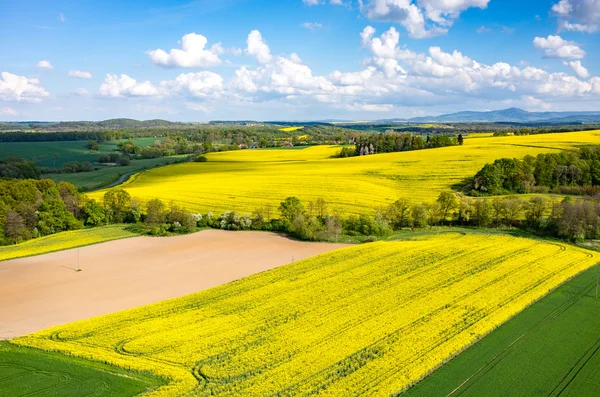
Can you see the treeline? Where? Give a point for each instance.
(169, 146)
(218, 134)
(572, 172)
(536, 131)
(18, 168)
(317, 221)
(19, 136)
(35, 208)
(14, 167)
(474, 127)
(71, 167)
(395, 142)
(573, 220)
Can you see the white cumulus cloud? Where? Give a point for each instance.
(79, 74)
(44, 65)
(422, 18)
(578, 15)
(257, 47)
(115, 86)
(557, 47)
(191, 55)
(579, 69)
(21, 89)
(202, 84)
(391, 78)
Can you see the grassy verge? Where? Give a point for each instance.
(551, 348)
(66, 240)
(25, 372)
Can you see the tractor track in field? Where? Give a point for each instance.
(594, 348)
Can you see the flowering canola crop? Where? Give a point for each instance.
(65, 240)
(368, 320)
(246, 180)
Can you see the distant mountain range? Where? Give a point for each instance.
(512, 115)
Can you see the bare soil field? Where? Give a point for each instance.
(43, 291)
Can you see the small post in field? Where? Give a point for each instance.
(293, 269)
(78, 259)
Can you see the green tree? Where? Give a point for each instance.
(333, 226)
(498, 211)
(291, 208)
(93, 213)
(92, 145)
(321, 205)
(188, 222)
(117, 203)
(483, 213)
(535, 210)
(466, 210)
(155, 212)
(513, 207)
(418, 216)
(398, 213)
(135, 212)
(434, 213)
(306, 227)
(71, 197)
(53, 217)
(14, 227)
(448, 203)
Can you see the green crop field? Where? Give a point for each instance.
(550, 349)
(54, 154)
(29, 372)
(106, 175)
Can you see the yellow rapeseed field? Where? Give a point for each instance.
(65, 240)
(368, 320)
(246, 180)
(290, 129)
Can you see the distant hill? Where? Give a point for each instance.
(512, 115)
(117, 124)
(112, 124)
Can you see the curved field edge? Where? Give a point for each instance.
(66, 240)
(26, 371)
(551, 348)
(366, 320)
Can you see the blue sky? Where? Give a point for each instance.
(294, 59)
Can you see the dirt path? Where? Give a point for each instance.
(122, 179)
(43, 291)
